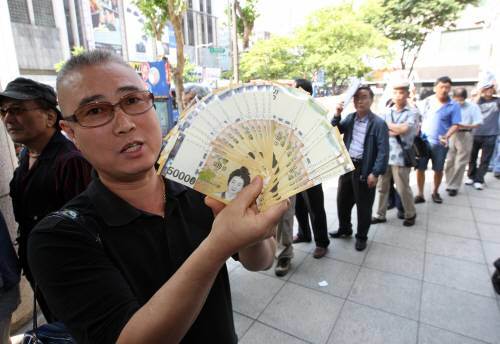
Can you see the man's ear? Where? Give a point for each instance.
(51, 118)
(66, 126)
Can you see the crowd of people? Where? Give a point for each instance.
(116, 253)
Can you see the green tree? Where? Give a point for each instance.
(410, 21)
(155, 13)
(338, 41)
(190, 72)
(77, 50)
(275, 58)
(246, 14)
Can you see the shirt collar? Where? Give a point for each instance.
(52, 147)
(117, 212)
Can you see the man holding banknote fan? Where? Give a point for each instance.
(137, 258)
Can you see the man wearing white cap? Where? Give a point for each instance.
(401, 120)
(485, 136)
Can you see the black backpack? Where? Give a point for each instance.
(496, 276)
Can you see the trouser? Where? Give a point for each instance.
(394, 199)
(284, 233)
(495, 159)
(487, 145)
(459, 149)
(311, 203)
(352, 190)
(401, 176)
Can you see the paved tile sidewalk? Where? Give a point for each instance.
(426, 284)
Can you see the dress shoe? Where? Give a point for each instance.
(319, 252)
(282, 267)
(419, 199)
(376, 220)
(339, 234)
(297, 240)
(360, 245)
(436, 198)
(401, 215)
(410, 221)
(452, 192)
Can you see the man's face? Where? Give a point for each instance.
(400, 96)
(187, 98)
(362, 101)
(459, 100)
(488, 93)
(442, 90)
(127, 146)
(26, 121)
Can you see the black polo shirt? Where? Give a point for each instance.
(95, 286)
(59, 174)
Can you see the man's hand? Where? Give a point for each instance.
(372, 181)
(240, 224)
(443, 140)
(339, 109)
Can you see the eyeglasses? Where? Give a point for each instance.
(15, 111)
(97, 114)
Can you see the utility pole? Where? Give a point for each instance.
(234, 38)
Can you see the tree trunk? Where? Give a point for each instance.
(176, 19)
(416, 56)
(236, 74)
(247, 31)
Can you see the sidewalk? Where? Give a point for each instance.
(425, 284)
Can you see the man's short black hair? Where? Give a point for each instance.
(366, 88)
(443, 80)
(304, 84)
(460, 92)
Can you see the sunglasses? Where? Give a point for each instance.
(97, 114)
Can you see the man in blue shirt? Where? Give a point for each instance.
(440, 119)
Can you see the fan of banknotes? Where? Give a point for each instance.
(277, 132)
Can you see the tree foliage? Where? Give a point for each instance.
(155, 13)
(274, 58)
(410, 21)
(77, 50)
(334, 39)
(246, 14)
(189, 72)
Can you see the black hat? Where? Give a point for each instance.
(27, 89)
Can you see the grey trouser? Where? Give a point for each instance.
(401, 176)
(460, 146)
(284, 234)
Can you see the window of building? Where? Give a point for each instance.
(43, 13)
(203, 19)
(209, 6)
(463, 44)
(19, 11)
(210, 29)
(190, 27)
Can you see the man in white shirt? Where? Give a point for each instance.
(460, 145)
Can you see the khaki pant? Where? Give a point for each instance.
(460, 146)
(284, 234)
(401, 176)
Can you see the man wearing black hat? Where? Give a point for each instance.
(51, 170)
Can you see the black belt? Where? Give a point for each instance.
(465, 130)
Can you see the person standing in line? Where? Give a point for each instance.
(51, 169)
(460, 145)
(10, 275)
(440, 120)
(486, 135)
(284, 238)
(401, 120)
(367, 140)
(311, 204)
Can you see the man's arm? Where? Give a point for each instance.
(337, 118)
(169, 314)
(382, 160)
(477, 119)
